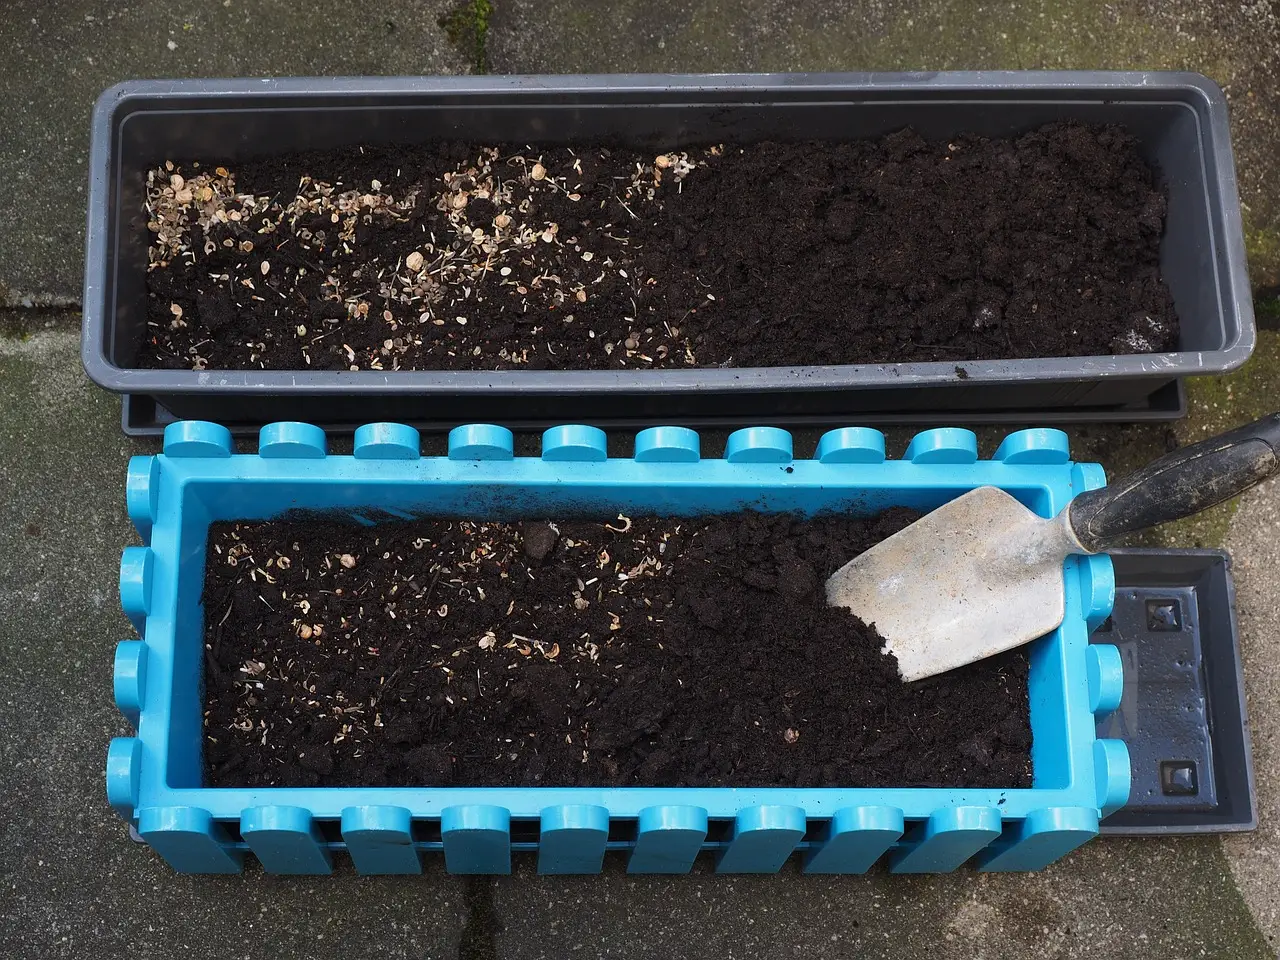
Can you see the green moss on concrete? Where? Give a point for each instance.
(1262, 245)
(467, 26)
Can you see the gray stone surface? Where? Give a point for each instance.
(1112, 899)
(72, 884)
(1254, 543)
(60, 56)
(1237, 44)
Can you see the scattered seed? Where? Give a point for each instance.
(791, 735)
(413, 261)
(266, 268)
(175, 309)
(347, 560)
(538, 172)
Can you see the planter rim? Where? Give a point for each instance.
(172, 497)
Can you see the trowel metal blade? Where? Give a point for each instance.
(979, 575)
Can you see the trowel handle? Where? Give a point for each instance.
(1179, 484)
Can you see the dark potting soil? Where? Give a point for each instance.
(642, 652)
(461, 256)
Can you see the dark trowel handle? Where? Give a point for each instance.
(1179, 484)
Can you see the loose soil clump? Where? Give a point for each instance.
(665, 652)
(462, 256)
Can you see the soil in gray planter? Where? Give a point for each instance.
(638, 652)
(462, 256)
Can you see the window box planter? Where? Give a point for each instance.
(154, 777)
(1179, 119)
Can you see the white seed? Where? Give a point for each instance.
(505, 271)
(413, 261)
(301, 330)
(538, 171)
(347, 560)
(266, 268)
(183, 196)
(662, 161)
(175, 309)
(547, 236)
(177, 182)
(588, 256)
(502, 221)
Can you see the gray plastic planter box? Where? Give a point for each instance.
(1179, 118)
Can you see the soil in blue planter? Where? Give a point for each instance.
(468, 256)
(633, 651)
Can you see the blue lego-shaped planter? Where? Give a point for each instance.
(154, 777)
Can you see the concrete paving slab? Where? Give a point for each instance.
(72, 884)
(1254, 543)
(1111, 899)
(1237, 44)
(59, 57)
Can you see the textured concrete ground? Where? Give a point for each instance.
(72, 884)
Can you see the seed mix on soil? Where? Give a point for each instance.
(468, 256)
(666, 652)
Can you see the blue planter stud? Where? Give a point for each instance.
(572, 838)
(124, 774)
(1112, 774)
(759, 445)
(285, 839)
(1042, 445)
(189, 840)
(668, 839)
(943, 445)
(575, 443)
(947, 839)
(380, 840)
(481, 441)
(142, 494)
(137, 567)
(477, 838)
(195, 439)
(386, 441)
(668, 445)
(292, 441)
(1097, 589)
(1043, 837)
(761, 839)
(129, 679)
(855, 839)
(1105, 671)
(851, 445)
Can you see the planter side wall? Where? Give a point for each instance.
(153, 778)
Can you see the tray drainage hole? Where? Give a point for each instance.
(1178, 778)
(1164, 615)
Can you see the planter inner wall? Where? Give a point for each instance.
(258, 496)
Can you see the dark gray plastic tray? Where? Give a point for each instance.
(1180, 120)
(1183, 713)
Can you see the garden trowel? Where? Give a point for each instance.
(983, 573)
